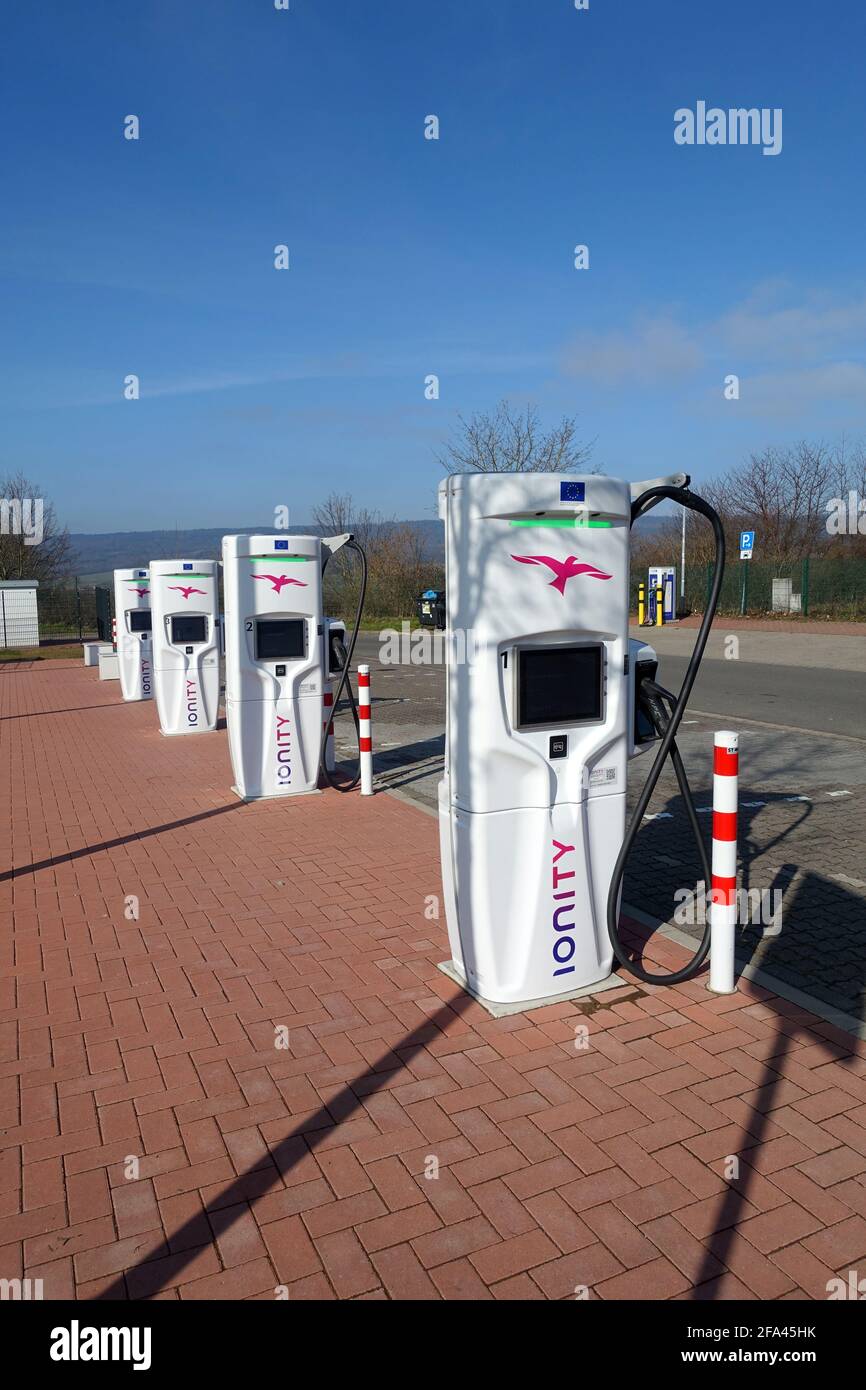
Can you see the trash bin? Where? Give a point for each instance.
(430, 607)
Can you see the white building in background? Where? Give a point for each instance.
(19, 620)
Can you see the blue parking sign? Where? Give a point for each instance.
(747, 543)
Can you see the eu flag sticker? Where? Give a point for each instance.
(281, 545)
(572, 492)
(187, 566)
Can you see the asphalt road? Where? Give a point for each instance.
(821, 689)
(811, 698)
(802, 726)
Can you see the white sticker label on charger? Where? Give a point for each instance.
(602, 776)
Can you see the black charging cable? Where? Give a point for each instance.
(666, 721)
(345, 683)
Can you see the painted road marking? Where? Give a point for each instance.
(786, 728)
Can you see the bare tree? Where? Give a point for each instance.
(400, 572)
(397, 567)
(50, 557)
(657, 541)
(514, 442)
(338, 514)
(782, 494)
(785, 495)
(849, 464)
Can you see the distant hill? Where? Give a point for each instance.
(95, 556)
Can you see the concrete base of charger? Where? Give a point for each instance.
(504, 1010)
(277, 796)
(188, 733)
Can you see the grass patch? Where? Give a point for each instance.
(60, 651)
(375, 623)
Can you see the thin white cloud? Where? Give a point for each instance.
(362, 366)
(655, 349)
(794, 331)
(788, 394)
(792, 352)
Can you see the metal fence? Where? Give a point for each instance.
(818, 588)
(64, 612)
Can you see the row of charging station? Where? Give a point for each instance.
(168, 641)
(281, 653)
(540, 725)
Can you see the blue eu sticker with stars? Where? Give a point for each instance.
(187, 567)
(281, 545)
(572, 492)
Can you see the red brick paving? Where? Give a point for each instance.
(158, 1143)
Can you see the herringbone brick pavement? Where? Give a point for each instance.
(229, 1067)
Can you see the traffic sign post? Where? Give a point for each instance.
(747, 544)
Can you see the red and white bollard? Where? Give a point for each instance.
(366, 733)
(329, 725)
(723, 896)
(114, 633)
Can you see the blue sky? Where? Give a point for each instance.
(411, 257)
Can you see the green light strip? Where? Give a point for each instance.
(572, 522)
(186, 575)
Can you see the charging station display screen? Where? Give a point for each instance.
(280, 639)
(189, 628)
(559, 685)
(139, 620)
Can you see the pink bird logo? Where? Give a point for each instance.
(563, 570)
(278, 581)
(179, 588)
(141, 592)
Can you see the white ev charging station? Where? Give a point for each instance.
(184, 610)
(280, 650)
(663, 577)
(547, 700)
(132, 615)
